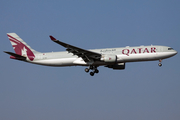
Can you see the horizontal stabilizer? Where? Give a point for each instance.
(15, 56)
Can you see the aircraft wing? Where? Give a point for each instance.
(86, 55)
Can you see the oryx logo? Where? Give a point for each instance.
(20, 48)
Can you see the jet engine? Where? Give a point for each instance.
(109, 58)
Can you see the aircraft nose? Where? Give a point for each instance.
(175, 52)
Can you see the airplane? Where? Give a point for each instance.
(114, 58)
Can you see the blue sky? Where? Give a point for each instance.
(141, 91)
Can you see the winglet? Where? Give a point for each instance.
(52, 38)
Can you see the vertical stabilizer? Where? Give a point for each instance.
(20, 47)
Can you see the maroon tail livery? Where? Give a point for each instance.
(20, 47)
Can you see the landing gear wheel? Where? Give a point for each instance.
(86, 70)
(93, 70)
(92, 73)
(160, 64)
(96, 71)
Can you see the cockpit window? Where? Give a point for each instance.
(170, 48)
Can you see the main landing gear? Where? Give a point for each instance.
(160, 64)
(93, 68)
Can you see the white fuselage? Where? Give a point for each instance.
(126, 54)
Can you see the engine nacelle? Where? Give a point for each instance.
(118, 66)
(109, 58)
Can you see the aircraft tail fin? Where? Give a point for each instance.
(20, 47)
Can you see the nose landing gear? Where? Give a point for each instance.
(160, 64)
(93, 68)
